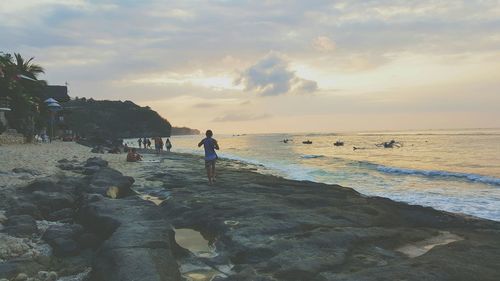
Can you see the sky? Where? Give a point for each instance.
(273, 66)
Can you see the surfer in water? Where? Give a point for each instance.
(210, 145)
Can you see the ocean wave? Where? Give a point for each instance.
(311, 156)
(286, 170)
(444, 174)
(319, 135)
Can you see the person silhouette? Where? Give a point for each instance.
(210, 145)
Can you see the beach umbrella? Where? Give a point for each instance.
(50, 100)
(53, 105)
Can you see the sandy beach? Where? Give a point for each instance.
(106, 219)
(42, 160)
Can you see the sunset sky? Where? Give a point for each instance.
(273, 66)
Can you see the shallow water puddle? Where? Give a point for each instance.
(154, 199)
(194, 242)
(419, 248)
(201, 275)
(198, 272)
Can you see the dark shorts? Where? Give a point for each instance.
(209, 163)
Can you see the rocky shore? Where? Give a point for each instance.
(89, 220)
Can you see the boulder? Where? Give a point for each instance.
(49, 202)
(89, 240)
(111, 183)
(23, 207)
(26, 171)
(62, 238)
(45, 184)
(67, 166)
(122, 264)
(96, 161)
(67, 231)
(21, 226)
(65, 247)
(90, 170)
(98, 149)
(63, 214)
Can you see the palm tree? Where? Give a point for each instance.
(25, 95)
(27, 67)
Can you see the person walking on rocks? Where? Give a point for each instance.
(139, 141)
(210, 145)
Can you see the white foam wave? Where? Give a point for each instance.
(435, 173)
(289, 171)
(311, 156)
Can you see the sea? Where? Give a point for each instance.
(451, 170)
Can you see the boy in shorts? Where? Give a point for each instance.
(210, 145)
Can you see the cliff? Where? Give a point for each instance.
(113, 119)
(176, 131)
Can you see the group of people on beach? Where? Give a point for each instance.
(209, 145)
(158, 142)
(144, 141)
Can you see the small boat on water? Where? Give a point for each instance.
(338, 143)
(389, 144)
(307, 142)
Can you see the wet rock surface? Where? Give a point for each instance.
(275, 229)
(261, 228)
(137, 240)
(93, 221)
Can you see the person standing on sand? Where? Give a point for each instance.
(157, 144)
(168, 145)
(160, 144)
(210, 145)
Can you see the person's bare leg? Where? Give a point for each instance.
(209, 174)
(213, 171)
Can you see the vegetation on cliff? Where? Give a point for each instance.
(176, 131)
(114, 119)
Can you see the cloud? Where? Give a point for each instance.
(323, 43)
(205, 105)
(271, 76)
(152, 51)
(237, 117)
